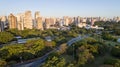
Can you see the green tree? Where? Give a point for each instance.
(84, 57)
(50, 44)
(62, 48)
(5, 37)
(115, 52)
(55, 62)
(15, 32)
(4, 53)
(3, 63)
(26, 55)
(112, 61)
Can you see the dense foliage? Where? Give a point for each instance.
(95, 51)
(84, 53)
(22, 52)
(5, 37)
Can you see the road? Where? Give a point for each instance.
(38, 61)
(19, 41)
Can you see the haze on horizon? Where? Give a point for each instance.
(59, 8)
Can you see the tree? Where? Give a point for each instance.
(3, 63)
(35, 45)
(115, 52)
(26, 56)
(5, 37)
(112, 61)
(108, 36)
(62, 48)
(50, 44)
(54, 62)
(4, 53)
(71, 65)
(84, 57)
(15, 32)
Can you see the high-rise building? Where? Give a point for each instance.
(1, 25)
(76, 21)
(20, 22)
(52, 21)
(39, 23)
(28, 22)
(61, 22)
(79, 19)
(47, 23)
(92, 21)
(12, 21)
(37, 14)
(66, 20)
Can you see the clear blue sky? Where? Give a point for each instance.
(58, 8)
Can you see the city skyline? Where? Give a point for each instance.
(59, 8)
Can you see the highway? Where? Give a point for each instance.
(38, 61)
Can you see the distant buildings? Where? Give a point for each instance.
(39, 23)
(92, 21)
(3, 22)
(81, 25)
(20, 21)
(37, 14)
(25, 20)
(28, 22)
(12, 21)
(47, 23)
(116, 19)
(67, 20)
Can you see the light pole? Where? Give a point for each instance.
(20, 56)
(73, 51)
(21, 59)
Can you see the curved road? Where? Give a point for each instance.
(38, 61)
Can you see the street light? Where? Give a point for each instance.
(21, 59)
(73, 51)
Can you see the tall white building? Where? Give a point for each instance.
(65, 20)
(20, 21)
(28, 22)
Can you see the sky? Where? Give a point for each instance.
(59, 8)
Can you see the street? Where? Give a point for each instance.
(37, 62)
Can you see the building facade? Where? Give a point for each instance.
(20, 21)
(39, 23)
(28, 22)
(12, 21)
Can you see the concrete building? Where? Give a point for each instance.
(79, 19)
(84, 20)
(37, 14)
(76, 21)
(28, 22)
(20, 21)
(81, 25)
(47, 23)
(3, 23)
(65, 18)
(39, 23)
(70, 20)
(52, 21)
(61, 23)
(12, 21)
(92, 21)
